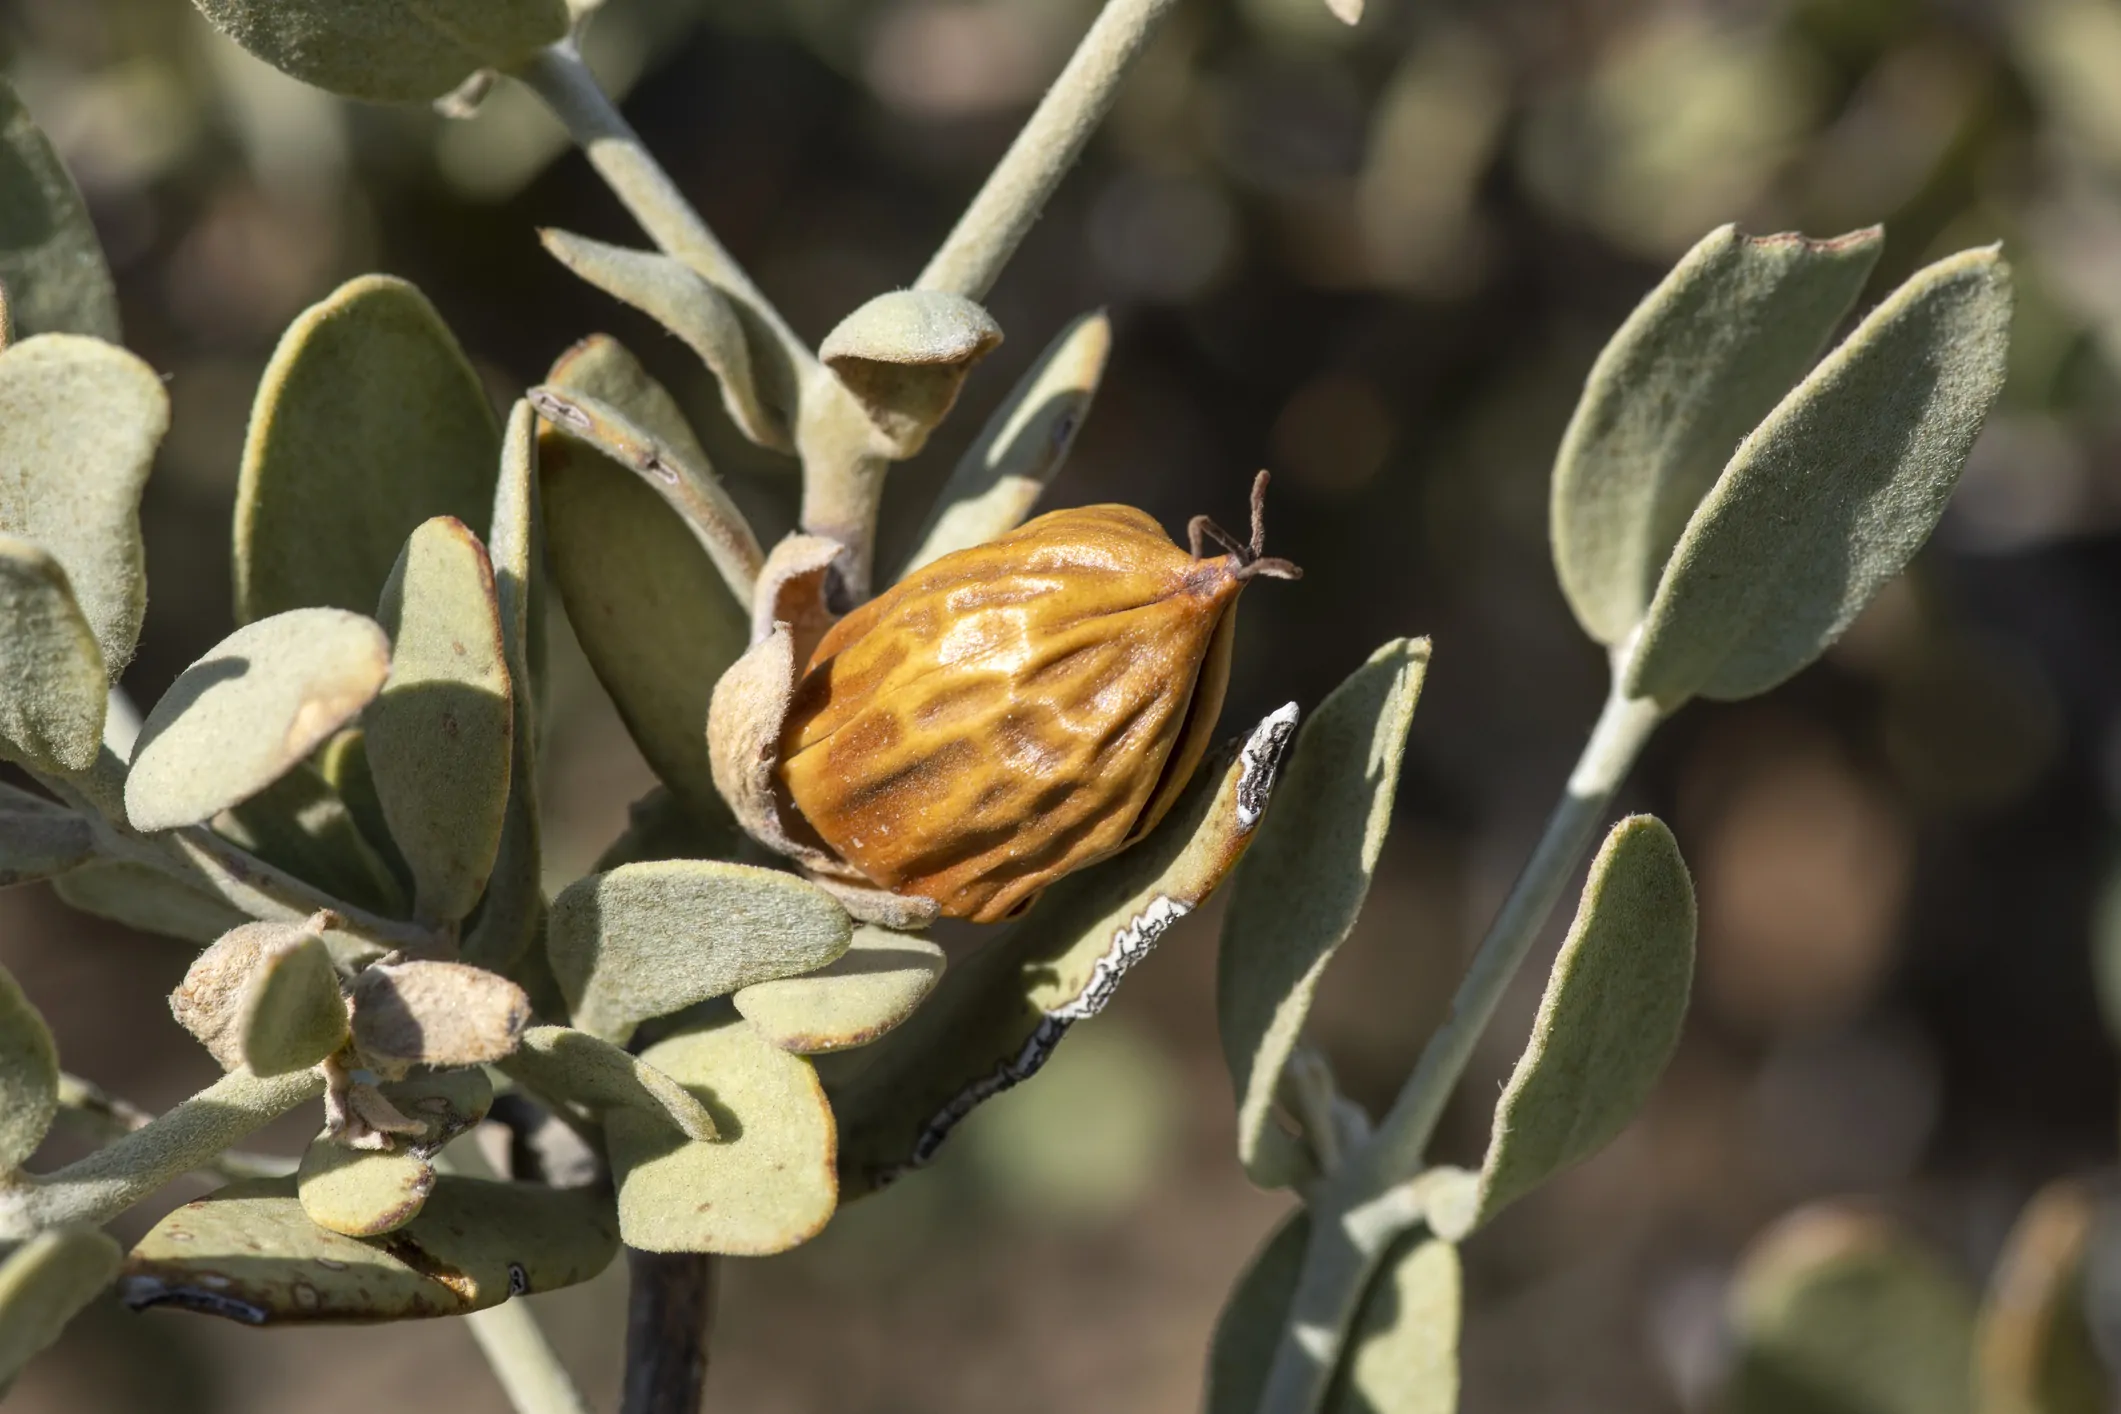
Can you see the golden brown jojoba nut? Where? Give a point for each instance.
(1010, 713)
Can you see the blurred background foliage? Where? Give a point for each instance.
(1378, 261)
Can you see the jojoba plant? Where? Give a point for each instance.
(1020, 728)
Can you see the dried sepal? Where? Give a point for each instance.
(220, 995)
(435, 1013)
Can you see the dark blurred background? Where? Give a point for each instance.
(1380, 262)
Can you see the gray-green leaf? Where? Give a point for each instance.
(248, 1252)
(648, 940)
(368, 422)
(514, 911)
(1700, 361)
(52, 686)
(1402, 1355)
(51, 264)
(565, 1064)
(29, 1076)
(362, 1193)
(904, 355)
(1296, 897)
(1611, 1015)
(242, 716)
(389, 51)
(1836, 1311)
(1832, 495)
(691, 307)
(440, 737)
(1249, 1328)
(44, 1284)
(1002, 474)
(39, 841)
(79, 423)
(301, 824)
(653, 616)
(149, 900)
(765, 1186)
(293, 1015)
(872, 988)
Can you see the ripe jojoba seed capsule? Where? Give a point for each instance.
(1012, 712)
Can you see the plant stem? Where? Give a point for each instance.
(558, 76)
(186, 1139)
(1356, 1216)
(523, 1361)
(668, 1317)
(110, 1117)
(996, 222)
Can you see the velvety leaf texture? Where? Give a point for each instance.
(79, 423)
(1249, 1328)
(293, 1015)
(43, 1284)
(368, 422)
(51, 264)
(1296, 897)
(29, 1076)
(574, 1065)
(872, 987)
(441, 736)
(1832, 495)
(407, 51)
(1700, 361)
(1611, 1015)
(648, 940)
(52, 688)
(1402, 1356)
(242, 716)
(653, 616)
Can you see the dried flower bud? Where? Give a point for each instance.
(1012, 712)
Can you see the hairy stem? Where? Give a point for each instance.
(107, 1117)
(558, 76)
(523, 1361)
(843, 477)
(995, 224)
(1356, 1217)
(185, 1140)
(669, 1315)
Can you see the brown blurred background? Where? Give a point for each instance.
(1380, 262)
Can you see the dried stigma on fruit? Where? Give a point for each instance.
(1007, 714)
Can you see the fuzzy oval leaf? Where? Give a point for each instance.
(1833, 493)
(765, 1185)
(566, 1064)
(1609, 1020)
(1402, 1355)
(514, 910)
(648, 940)
(1249, 1328)
(1839, 1304)
(995, 1019)
(40, 842)
(904, 355)
(248, 1252)
(369, 421)
(2034, 1349)
(1702, 359)
(872, 988)
(361, 1193)
(51, 264)
(29, 1076)
(242, 716)
(292, 1013)
(389, 51)
(441, 735)
(44, 1283)
(79, 423)
(213, 1001)
(653, 616)
(691, 307)
(436, 1013)
(52, 686)
(1005, 470)
(1296, 897)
